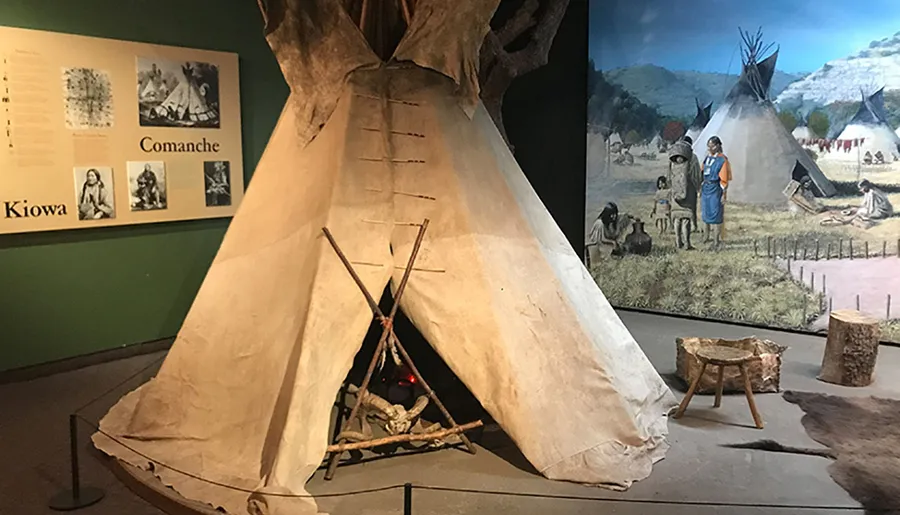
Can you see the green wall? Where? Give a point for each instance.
(64, 294)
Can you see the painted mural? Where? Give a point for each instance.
(744, 159)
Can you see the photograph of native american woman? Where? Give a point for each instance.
(750, 171)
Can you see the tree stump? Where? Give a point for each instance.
(851, 349)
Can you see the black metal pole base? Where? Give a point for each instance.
(68, 501)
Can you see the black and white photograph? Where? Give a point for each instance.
(147, 185)
(88, 98)
(217, 175)
(177, 94)
(95, 192)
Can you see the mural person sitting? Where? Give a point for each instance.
(662, 208)
(608, 229)
(685, 184)
(875, 206)
(716, 173)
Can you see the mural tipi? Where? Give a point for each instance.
(368, 147)
(868, 136)
(700, 121)
(803, 133)
(764, 156)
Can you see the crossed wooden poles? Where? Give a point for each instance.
(387, 324)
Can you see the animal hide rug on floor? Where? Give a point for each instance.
(863, 435)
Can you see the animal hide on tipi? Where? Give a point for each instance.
(368, 148)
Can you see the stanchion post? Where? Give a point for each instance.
(407, 499)
(77, 497)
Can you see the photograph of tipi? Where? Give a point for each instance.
(774, 202)
(177, 94)
(246, 393)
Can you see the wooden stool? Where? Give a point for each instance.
(722, 357)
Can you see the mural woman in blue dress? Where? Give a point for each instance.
(716, 176)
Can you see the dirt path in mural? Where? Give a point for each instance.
(872, 279)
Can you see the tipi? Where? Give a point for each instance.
(764, 156)
(153, 92)
(868, 132)
(700, 121)
(802, 132)
(368, 146)
(187, 102)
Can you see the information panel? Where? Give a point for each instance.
(99, 132)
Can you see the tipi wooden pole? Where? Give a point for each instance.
(408, 437)
(387, 324)
(407, 17)
(363, 16)
(432, 395)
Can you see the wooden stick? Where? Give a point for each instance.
(795, 249)
(817, 250)
(828, 252)
(884, 249)
(409, 437)
(804, 252)
(769, 246)
(755, 253)
(432, 395)
(801, 275)
(888, 316)
(867, 249)
(369, 300)
(363, 16)
(824, 278)
(407, 17)
(857, 302)
(387, 326)
(851, 248)
(812, 281)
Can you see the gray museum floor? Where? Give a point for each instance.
(697, 477)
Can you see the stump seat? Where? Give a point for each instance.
(722, 357)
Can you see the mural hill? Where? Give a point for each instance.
(673, 93)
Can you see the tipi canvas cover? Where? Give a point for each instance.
(869, 130)
(764, 156)
(245, 395)
(700, 121)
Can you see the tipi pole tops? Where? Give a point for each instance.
(756, 77)
(703, 115)
(871, 109)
